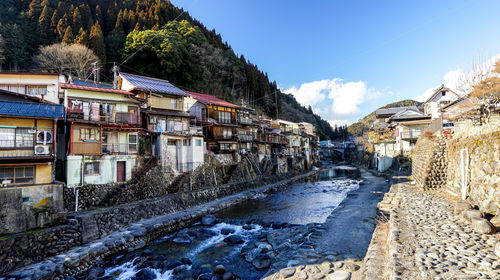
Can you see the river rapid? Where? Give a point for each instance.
(243, 240)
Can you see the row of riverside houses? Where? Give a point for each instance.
(396, 130)
(58, 132)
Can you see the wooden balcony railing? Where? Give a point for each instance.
(117, 118)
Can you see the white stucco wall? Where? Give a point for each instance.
(107, 167)
(188, 157)
(22, 80)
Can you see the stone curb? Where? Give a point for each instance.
(80, 259)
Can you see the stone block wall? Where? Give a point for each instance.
(483, 184)
(24, 248)
(429, 162)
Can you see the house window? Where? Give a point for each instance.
(225, 146)
(173, 103)
(89, 134)
(92, 168)
(198, 142)
(171, 143)
(224, 117)
(187, 142)
(390, 147)
(132, 143)
(227, 132)
(17, 175)
(36, 90)
(15, 137)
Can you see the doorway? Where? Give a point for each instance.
(120, 171)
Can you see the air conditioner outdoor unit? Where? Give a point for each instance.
(44, 136)
(41, 150)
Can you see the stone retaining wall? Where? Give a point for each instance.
(429, 162)
(22, 249)
(483, 184)
(77, 260)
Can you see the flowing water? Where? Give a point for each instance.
(198, 249)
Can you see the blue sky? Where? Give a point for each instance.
(347, 58)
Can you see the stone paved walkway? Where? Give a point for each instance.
(429, 242)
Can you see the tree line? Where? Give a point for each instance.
(184, 51)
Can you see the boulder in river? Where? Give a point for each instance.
(205, 233)
(208, 220)
(262, 261)
(234, 239)
(186, 261)
(171, 265)
(226, 231)
(95, 273)
(228, 276)
(145, 274)
(220, 269)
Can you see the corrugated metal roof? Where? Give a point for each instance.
(211, 100)
(394, 110)
(152, 84)
(97, 89)
(21, 109)
(91, 84)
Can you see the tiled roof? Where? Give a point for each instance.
(413, 114)
(98, 89)
(394, 110)
(152, 84)
(41, 110)
(211, 100)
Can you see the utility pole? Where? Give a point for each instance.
(276, 101)
(115, 75)
(95, 72)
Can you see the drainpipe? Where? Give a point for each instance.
(464, 167)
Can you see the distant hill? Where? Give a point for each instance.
(364, 124)
(144, 32)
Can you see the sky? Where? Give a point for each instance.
(347, 58)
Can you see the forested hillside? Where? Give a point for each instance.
(184, 52)
(364, 124)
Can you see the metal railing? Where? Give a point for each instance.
(245, 137)
(119, 148)
(411, 134)
(117, 118)
(243, 120)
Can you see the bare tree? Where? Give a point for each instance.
(66, 59)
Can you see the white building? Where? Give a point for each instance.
(441, 97)
(41, 85)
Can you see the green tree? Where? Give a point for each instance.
(77, 20)
(96, 41)
(44, 31)
(68, 37)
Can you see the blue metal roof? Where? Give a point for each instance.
(90, 84)
(152, 84)
(40, 110)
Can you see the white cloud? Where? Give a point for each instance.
(461, 81)
(343, 100)
(337, 122)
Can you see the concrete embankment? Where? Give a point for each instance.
(132, 237)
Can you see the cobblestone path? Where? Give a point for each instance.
(429, 242)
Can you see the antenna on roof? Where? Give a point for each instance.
(115, 75)
(95, 72)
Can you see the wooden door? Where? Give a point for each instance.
(120, 171)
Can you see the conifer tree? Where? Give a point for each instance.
(68, 36)
(96, 41)
(77, 20)
(82, 38)
(44, 32)
(35, 9)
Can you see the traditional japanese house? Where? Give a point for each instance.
(247, 132)
(178, 143)
(102, 134)
(44, 86)
(408, 125)
(220, 124)
(31, 197)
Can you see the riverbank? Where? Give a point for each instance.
(428, 238)
(80, 259)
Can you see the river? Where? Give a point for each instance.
(194, 252)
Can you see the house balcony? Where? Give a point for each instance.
(225, 137)
(86, 148)
(245, 137)
(119, 118)
(191, 131)
(23, 149)
(242, 120)
(411, 135)
(119, 149)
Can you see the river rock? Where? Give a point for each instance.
(340, 275)
(482, 226)
(205, 233)
(262, 261)
(228, 276)
(144, 274)
(220, 269)
(248, 227)
(472, 213)
(171, 265)
(226, 231)
(495, 221)
(204, 276)
(250, 256)
(264, 246)
(95, 273)
(351, 266)
(208, 220)
(287, 272)
(497, 249)
(234, 239)
(183, 239)
(461, 206)
(186, 261)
